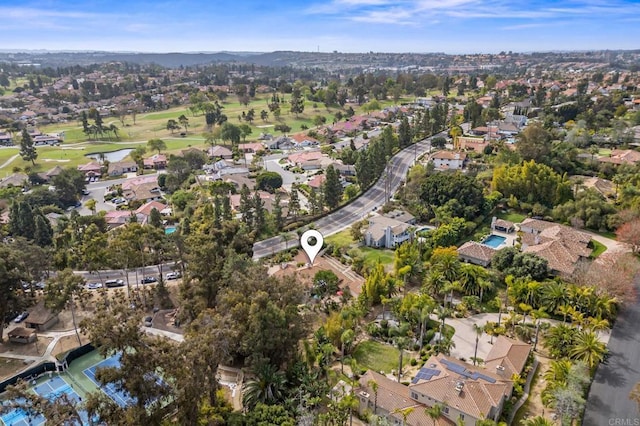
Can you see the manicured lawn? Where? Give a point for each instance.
(341, 239)
(598, 249)
(512, 217)
(378, 356)
(372, 256)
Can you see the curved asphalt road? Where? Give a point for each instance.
(373, 198)
(608, 402)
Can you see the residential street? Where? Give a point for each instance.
(373, 198)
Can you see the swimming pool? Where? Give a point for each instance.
(170, 230)
(494, 241)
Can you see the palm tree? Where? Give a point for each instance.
(374, 387)
(345, 339)
(559, 340)
(266, 387)
(536, 421)
(424, 314)
(434, 411)
(401, 343)
(554, 295)
(404, 412)
(537, 315)
(473, 279)
(588, 348)
(478, 330)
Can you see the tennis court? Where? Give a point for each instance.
(51, 389)
(120, 397)
(19, 417)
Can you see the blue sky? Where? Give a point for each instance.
(451, 26)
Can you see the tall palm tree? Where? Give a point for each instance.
(266, 387)
(588, 348)
(478, 329)
(424, 314)
(346, 338)
(537, 315)
(402, 343)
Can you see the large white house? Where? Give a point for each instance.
(449, 160)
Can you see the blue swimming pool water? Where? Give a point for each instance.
(494, 241)
(170, 230)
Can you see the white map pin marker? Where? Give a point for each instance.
(311, 250)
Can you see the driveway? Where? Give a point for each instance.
(465, 337)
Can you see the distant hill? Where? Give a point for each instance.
(326, 60)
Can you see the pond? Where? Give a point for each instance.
(112, 156)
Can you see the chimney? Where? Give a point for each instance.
(459, 387)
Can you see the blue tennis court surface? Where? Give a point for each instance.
(51, 389)
(121, 398)
(19, 417)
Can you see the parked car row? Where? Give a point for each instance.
(119, 282)
(34, 285)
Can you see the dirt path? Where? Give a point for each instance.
(9, 161)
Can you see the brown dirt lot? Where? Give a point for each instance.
(9, 367)
(28, 349)
(66, 343)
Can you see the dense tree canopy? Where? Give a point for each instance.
(461, 193)
(531, 182)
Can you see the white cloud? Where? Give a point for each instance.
(406, 12)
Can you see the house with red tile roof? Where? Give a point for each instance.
(91, 169)
(621, 156)
(466, 393)
(130, 183)
(117, 218)
(562, 246)
(251, 147)
(317, 181)
(299, 158)
(476, 253)
(156, 161)
(303, 140)
(144, 211)
(470, 143)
